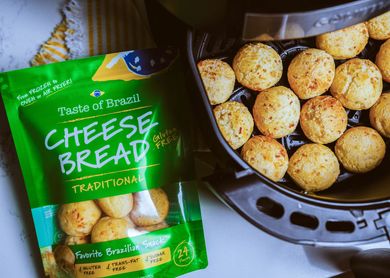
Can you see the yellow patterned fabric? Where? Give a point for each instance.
(54, 49)
(92, 27)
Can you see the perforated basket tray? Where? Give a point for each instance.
(323, 218)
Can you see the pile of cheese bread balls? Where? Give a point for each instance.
(109, 218)
(325, 92)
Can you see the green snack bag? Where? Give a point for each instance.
(104, 149)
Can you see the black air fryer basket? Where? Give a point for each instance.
(356, 209)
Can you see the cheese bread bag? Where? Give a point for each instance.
(104, 148)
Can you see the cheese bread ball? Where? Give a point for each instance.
(311, 73)
(235, 122)
(76, 240)
(290, 30)
(345, 43)
(65, 260)
(357, 84)
(383, 60)
(218, 79)
(257, 66)
(263, 37)
(267, 156)
(150, 207)
(323, 119)
(314, 167)
(77, 219)
(116, 206)
(156, 227)
(380, 115)
(276, 112)
(379, 27)
(109, 228)
(360, 149)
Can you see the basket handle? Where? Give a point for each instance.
(295, 221)
(311, 23)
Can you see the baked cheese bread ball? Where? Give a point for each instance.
(109, 228)
(263, 37)
(267, 156)
(76, 240)
(314, 167)
(235, 122)
(380, 115)
(150, 207)
(383, 60)
(116, 206)
(257, 66)
(65, 260)
(290, 30)
(311, 73)
(218, 79)
(323, 119)
(276, 112)
(357, 84)
(379, 27)
(156, 227)
(77, 219)
(345, 43)
(360, 149)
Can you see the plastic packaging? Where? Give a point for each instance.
(103, 144)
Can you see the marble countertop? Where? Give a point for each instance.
(238, 251)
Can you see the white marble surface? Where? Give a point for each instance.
(24, 26)
(235, 247)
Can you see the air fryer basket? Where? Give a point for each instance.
(356, 209)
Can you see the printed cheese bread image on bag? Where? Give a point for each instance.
(104, 148)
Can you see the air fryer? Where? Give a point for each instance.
(356, 209)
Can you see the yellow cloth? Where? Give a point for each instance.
(92, 27)
(54, 49)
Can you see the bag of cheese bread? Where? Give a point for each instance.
(104, 148)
